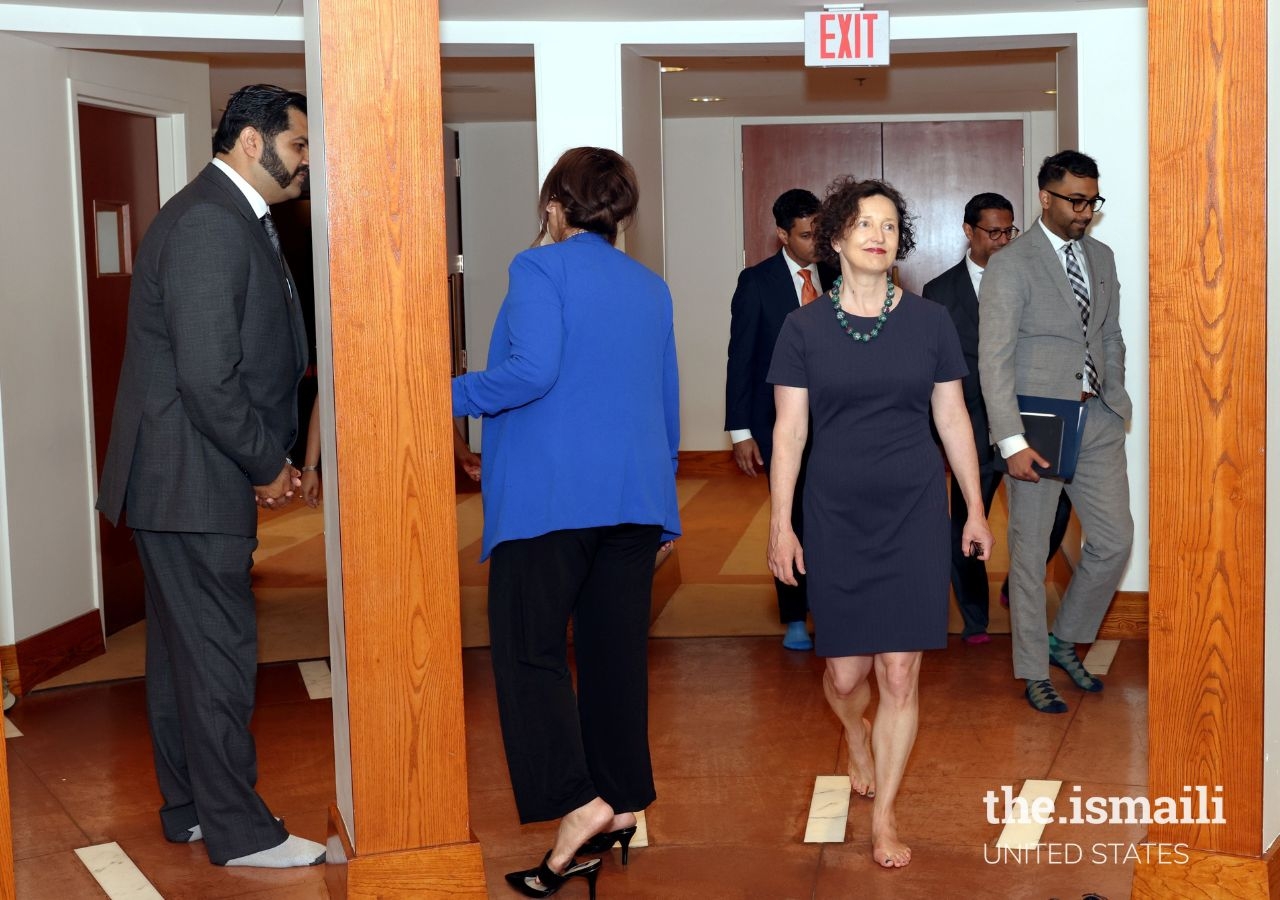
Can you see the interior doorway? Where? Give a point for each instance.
(120, 195)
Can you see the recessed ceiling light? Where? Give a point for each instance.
(705, 99)
(671, 68)
(1051, 91)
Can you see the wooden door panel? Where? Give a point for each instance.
(776, 158)
(938, 166)
(118, 169)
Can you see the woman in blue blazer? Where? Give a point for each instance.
(580, 402)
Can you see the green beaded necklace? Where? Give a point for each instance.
(845, 326)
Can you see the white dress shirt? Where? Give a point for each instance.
(259, 205)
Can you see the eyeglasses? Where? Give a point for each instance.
(996, 233)
(1079, 204)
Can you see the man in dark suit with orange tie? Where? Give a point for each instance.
(766, 293)
(205, 415)
(988, 226)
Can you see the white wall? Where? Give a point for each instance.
(704, 256)
(47, 499)
(499, 219)
(642, 145)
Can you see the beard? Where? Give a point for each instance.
(276, 168)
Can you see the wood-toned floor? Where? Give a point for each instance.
(739, 731)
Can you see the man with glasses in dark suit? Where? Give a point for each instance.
(1050, 328)
(988, 227)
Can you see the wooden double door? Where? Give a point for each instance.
(937, 166)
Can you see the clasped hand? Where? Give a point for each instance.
(280, 491)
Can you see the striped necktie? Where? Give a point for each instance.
(1081, 292)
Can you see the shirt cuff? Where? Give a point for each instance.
(1012, 445)
(738, 435)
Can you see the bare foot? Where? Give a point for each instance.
(575, 828)
(886, 849)
(862, 767)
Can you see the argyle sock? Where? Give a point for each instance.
(1063, 655)
(1043, 698)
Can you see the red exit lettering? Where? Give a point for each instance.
(852, 37)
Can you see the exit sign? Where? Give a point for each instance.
(846, 38)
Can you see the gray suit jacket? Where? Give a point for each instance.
(215, 348)
(1029, 336)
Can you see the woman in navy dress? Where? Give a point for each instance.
(867, 364)
(581, 427)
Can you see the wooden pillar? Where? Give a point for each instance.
(378, 185)
(1208, 152)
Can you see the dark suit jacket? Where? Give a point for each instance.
(215, 348)
(764, 297)
(954, 290)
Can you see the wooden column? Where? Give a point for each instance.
(379, 113)
(1208, 143)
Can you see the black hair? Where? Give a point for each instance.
(796, 203)
(1055, 168)
(973, 209)
(262, 106)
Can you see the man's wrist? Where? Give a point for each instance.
(315, 468)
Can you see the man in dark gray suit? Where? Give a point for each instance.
(204, 417)
(988, 227)
(767, 292)
(1050, 328)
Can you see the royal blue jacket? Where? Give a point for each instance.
(581, 399)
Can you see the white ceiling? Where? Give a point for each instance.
(613, 10)
(493, 89)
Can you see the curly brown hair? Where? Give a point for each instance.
(843, 201)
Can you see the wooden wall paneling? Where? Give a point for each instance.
(8, 887)
(776, 158)
(390, 335)
(1208, 422)
(57, 649)
(938, 166)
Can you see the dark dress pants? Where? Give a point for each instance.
(968, 573)
(202, 665)
(563, 751)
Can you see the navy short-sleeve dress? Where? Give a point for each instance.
(875, 503)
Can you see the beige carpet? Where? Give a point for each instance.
(725, 589)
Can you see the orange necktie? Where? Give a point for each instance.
(808, 293)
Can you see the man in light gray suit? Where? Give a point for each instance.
(205, 414)
(1050, 328)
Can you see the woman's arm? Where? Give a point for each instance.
(790, 431)
(952, 421)
(310, 489)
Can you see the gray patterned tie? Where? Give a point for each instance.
(1081, 291)
(269, 224)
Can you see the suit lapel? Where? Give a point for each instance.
(962, 284)
(1098, 296)
(1053, 270)
(288, 289)
(783, 290)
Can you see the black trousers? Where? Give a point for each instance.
(969, 574)
(202, 668)
(563, 751)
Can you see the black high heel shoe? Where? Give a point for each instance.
(604, 841)
(549, 882)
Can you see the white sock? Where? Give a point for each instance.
(295, 851)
